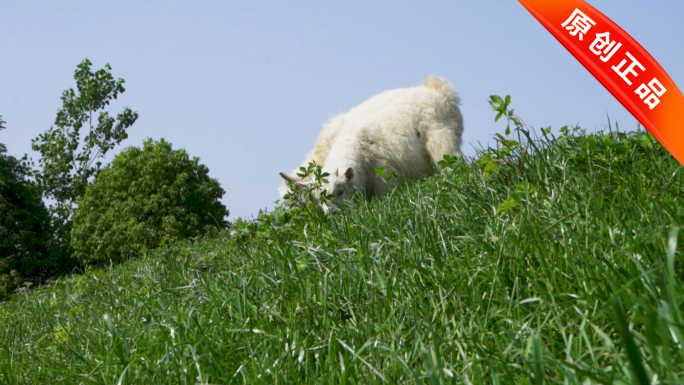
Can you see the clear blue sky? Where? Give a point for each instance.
(246, 86)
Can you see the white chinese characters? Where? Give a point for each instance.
(652, 99)
(578, 23)
(602, 44)
(629, 69)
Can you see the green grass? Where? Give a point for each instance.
(568, 272)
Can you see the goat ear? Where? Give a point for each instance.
(303, 184)
(286, 177)
(349, 173)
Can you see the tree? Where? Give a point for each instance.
(146, 198)
(27, 249)
(67, 165)
(3, 148)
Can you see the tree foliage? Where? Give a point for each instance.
(146, 198)
(25, 234)
(68, 162)
(3, 148)
(27, 249)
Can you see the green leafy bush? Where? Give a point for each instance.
(146, 198)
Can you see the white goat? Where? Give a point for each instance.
(406, 130)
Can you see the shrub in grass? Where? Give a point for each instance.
(146, 198)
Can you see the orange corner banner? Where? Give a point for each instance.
(620, 64)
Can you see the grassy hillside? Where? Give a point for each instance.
(566, 270)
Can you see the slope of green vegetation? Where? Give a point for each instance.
(559, 266)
